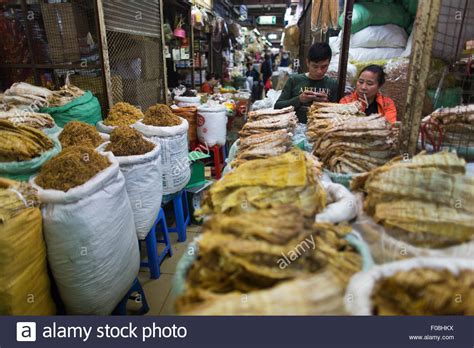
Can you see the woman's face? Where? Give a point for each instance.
(367, 84)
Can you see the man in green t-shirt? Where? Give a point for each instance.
(302, 90)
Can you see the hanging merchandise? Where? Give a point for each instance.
(217, 29)
(324, 15)
(178, 28)
(23, 266)
(212, 124)
(143, 177)
(291, 40)
(174, 152)
(91, 253)
(197, 19)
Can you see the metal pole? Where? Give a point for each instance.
(24, 12)
(344, 53)
(104, 52)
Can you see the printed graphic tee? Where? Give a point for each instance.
(296, 85)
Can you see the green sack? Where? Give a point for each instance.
(411, 6)
(367, 14)
(85, 109)
(22, 171)
(449, 97)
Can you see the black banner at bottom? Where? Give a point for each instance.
(289, 332)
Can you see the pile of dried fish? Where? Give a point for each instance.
(263, 183)
(14, 197)
(160, 115)
(21, 143)
(457, 124)
(24, 96)
(123, 114)
(32, 119)
(425, 201)
(79, 133)
(267, 133)
(125, 141)
(72, 167)
(348, 141)
(425, 291)
(319, 294)
(236, 254)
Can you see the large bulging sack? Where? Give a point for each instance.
(91, 241)
(85, 109)
(24, 280)
(212, 125)
(174, 153)
(143, 180)
(187, 101)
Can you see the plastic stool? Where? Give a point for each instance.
(218, 158)
(154, 260)
(182, 216)
(121, 308)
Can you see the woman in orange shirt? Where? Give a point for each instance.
(209, 84)
(370, 80)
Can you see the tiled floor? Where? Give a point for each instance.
(159, 292)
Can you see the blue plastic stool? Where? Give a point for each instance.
(154, 260)
(121, 308)
(181, 213)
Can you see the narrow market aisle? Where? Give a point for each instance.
(159, 291)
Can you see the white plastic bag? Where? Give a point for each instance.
(187, 101)
(91, 241)
(143, 180)
(362, 284)
(174, 153)
(365, 54)
(212, 124)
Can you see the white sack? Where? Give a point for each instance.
(365, 54)
(102, 128)
(143, 180)
(212, 124)
(91, 241)
(174, 153)
(342, 206)
(362, 284)
(187, 101)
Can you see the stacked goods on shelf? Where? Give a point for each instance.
(79, 133)
(348, 141)
(419, 286)
(23, 150)
(24, 281)
(238, 255)
(171, 132)
(267, 133)
(89, 229)
(422, 205)
(263, 183)
(140, 163)
(121, 114)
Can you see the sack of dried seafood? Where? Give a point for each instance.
(121, 114)
(23, 150)
(23, 266)
(173, 141)
(91, 241)
(237, 255)
(422, 207)
(420, 286)
(142, 172)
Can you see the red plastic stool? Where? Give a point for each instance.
(218, 158)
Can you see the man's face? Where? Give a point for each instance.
(317, 70)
